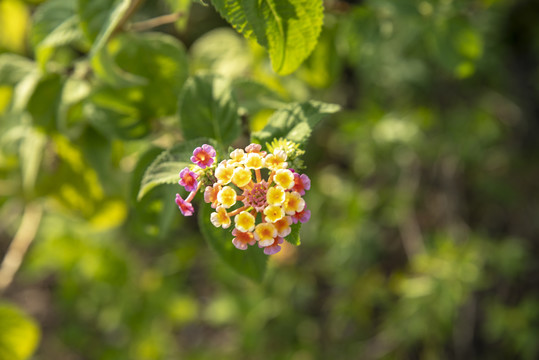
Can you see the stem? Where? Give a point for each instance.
(193, 193)
(18, 247)
(258, 175)
(155, 22)
(237, 211)
(135, 4)
(270, 178)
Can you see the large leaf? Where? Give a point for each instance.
(166, 167)
(162, 62)
(114, 117)
(288, 29)
(19, 334)
(99, 19)
(14, 68)
(149, 221)
(49, 16)
(207, 108)
(55, 24)
(44, 102)
(251, 262)
(293, 237)
(294, 122)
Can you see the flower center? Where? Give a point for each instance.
(256, 197)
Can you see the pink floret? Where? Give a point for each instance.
(204, 156)
(302, 216)
(301, 183)
(185, 207)
(188, 180)
(273, 248)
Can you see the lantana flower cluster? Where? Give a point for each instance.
(253, 190)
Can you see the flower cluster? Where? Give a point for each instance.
(254, 189)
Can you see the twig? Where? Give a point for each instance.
(155, 22)
(18, 247)
(412, 238)
(135, 4)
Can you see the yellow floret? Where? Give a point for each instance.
(244, 221)
(227, 197)
(276, 161)
(220, 218)
(273, 213)
(241, 177)
(293, 203)
(275, 195)
(237, 157)
(264, 233)
(284, 178)
(254, 161)
(283, 226)
(224, 173)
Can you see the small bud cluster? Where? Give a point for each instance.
(262, 207)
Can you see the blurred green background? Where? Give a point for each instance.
(425, 216)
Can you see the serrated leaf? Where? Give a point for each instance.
(294, 122)
(293, 237)
(288, 29)
(254, 96)
(250, 263)
(13, 68)
(166, 167)
(19, 333)
(150, 221)
(49, 16)
(44, 102)
(221, 51)
(106, 69)
(207, 108)
(99, 18)
(66, 33)
(114, 117)
(161, 61)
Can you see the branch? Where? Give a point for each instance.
(412, 238)
(155, 22)
(135, 4)
(18, 247)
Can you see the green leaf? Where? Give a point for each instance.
(154, 213)
(183, 7)
(66, 33)
(161, 61)
(107, 70)
(48, 17)
(250, 263)
(288, 29)
(14, 68)
(294, 122)
(293, 237)
(114, 117)
(19, 333)
(44, 102)
(254, 96)
(99, 18)
(221, 51)
(166, 167)
(207, 108)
